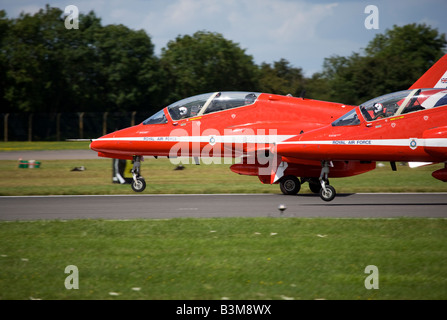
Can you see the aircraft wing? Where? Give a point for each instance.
(435, 77)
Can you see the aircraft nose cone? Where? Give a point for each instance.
(103, 143)
(97, 145)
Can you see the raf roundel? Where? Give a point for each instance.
(413, 143)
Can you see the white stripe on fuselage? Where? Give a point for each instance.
(439, 142)
(280, 140)
(207, 138)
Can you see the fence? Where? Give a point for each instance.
(63, 126)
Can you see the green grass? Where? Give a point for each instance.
(55, 177)
(235, 258)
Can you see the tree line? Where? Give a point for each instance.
(46, 68)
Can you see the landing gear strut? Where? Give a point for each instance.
(327, 192)
(138, 183)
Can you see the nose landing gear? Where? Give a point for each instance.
(138, 183)
(327, 192)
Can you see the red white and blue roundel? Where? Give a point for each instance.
(413, 143)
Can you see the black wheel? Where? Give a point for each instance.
(329, 194)
(139, 185)
(314, 185)
(290, 185)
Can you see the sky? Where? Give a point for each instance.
(304, 32)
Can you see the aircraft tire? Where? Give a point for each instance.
(329, 194)
(139, 185)
(290, 185)
(315, 185)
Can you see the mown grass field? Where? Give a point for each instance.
(237, 258)
(55, 177)
(231, 258)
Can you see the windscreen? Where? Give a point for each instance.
(157, 118)
(349, 119)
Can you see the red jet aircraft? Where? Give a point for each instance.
(280, 138)
(409, 126)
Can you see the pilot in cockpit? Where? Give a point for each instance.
(250, 98)
(378, 110)
(179, 113)
(183, 111)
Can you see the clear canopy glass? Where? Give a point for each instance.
(209, 103)
(157, 118)
(395, 104)
(203, 104)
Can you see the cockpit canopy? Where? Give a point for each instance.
(209, 103)
(203, 104)
(395, 104)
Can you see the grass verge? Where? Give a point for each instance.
(235, 258)
(55, 177)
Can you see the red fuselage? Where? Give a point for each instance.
(272, 118)
(246, 130)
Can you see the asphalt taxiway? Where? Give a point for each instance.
(49, 155)
(121, 207)
(146, 206)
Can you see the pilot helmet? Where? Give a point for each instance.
(250, 98)
(183, 111)
(378, 108)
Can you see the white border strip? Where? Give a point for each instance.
(432, 142)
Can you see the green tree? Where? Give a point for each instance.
(5, 26)
(206, 62)
(393, 61)
(93, 68)
(31, 50)
(281, 78)
(126, 68)
(403, 54)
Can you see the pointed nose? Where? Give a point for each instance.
(101, 145)
(115, 142)
(104, 143)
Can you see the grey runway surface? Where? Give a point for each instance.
(425, 205)
(49, 155)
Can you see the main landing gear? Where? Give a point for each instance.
(291, 185)
(138, 183)
(327, 192)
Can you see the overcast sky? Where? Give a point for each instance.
(302, 31)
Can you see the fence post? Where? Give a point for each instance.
(132, 122)
(30, 127)
(81, 125)
(5, 129)
(58, 127)
(104, 123)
